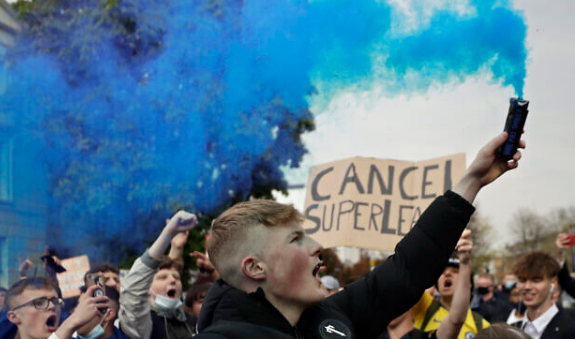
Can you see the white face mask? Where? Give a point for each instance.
(167, 304)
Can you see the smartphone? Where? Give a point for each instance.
(516, 117)
(94, 279)
(571, 238)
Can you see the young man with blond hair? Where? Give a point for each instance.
(270, 287)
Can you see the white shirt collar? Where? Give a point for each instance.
(536, 327)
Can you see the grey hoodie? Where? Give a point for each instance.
(138, 317)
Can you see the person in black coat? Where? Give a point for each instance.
(491, 306)
(270, 287)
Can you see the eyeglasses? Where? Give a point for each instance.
(42, 303)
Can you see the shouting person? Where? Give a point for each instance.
(270, 287)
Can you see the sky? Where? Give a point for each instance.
(462, 117)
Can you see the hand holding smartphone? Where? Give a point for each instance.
(570, 240)
(94, 279)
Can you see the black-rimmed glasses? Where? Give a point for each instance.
(42, 303)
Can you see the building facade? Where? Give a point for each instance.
(23, 183)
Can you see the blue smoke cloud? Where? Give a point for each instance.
(192, 103)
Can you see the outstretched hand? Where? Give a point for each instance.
(181, 222)
(24, 267)
(562, 241)
(486, 167)
(180, 239)
(202, 261)
(464, 247)
(88, 308)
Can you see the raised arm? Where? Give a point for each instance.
(451, 325)
(179, 223)
(177, 247)
(485, 168)
(135, 319)
(396, 285)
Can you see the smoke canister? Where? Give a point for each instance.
(514, 126)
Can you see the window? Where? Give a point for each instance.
(6, 185)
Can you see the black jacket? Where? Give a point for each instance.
(494, 310)
(565, 281)
(561, 326)
(171, 327)
(364, 308)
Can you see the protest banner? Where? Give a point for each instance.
(71, 280)
(372, 203)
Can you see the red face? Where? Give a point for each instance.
(33, 323)
(292, 266)
(447, 281)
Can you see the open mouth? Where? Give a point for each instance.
(171, 293)
(448, 283)
(317, 268)
(51, 323)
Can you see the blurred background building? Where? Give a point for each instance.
(22, 194)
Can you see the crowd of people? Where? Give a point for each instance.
(263, 279)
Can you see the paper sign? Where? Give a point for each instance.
(372, 203)
(71, 280)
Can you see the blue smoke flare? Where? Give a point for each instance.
(144, 106)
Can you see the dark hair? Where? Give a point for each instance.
(98, 269)
(501, 331)
(3, 289)
(536, 265)
(29, 283)
(105, 268)
(170, 263)
(195, 292)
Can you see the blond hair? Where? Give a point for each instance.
(230, 239)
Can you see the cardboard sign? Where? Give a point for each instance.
(71, 280)
(371, 203)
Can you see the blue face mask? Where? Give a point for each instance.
(167, 304)
(509, 285)
(96, 332)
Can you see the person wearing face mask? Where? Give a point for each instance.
(150, 298)
(509, 283)
(537, 281)
(490, 306)
(102, 325)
